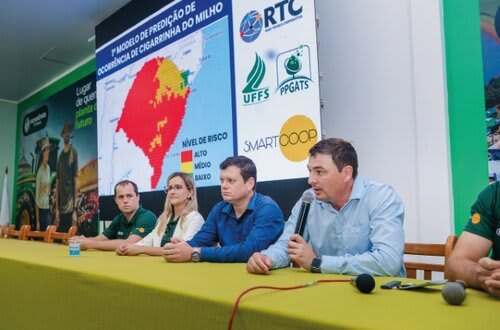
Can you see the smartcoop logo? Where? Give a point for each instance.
(296, 136)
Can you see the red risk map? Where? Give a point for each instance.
(154, 109)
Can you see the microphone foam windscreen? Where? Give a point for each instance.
(453, 293)
(307, 197)
(365, 283)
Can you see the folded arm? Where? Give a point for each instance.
(101, 242)
(468, 262)
(268, 225)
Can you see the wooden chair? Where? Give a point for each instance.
(434, 250)
(3, 231)
(40, 235)
(19, 234)
(64, 237)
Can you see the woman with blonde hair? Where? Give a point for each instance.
(180, 218)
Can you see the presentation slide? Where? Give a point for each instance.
(199, 81)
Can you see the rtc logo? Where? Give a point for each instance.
(293, 70)
(280, 14)
(250, 26)
(275, 16)
(298, 134)
(252, 93)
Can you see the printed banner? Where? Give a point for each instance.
(277, 85)
(490, 38)
(58, 144)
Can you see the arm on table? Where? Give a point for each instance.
(468, 262)
(101, 242)
(268, 224)
(136, 249)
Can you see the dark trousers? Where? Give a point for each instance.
(44, 218)
(65, 220)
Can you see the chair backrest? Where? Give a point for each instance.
(44, 235)
(64, 237)
(429, 250)
(3, 231)
(20, 234)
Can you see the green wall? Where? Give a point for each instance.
(464, 73)
(7, 145)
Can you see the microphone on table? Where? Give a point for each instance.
(307, 198)
(364, 282)
(454, 292)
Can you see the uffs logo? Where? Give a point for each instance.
(293, 70)
(252, 93)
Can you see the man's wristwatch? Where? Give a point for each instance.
(316, 265)
(196, 254)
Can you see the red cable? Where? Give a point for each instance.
(237, 302)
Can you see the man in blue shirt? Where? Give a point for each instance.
(354, 226)
(243, 223)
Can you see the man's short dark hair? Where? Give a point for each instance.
(245, 164)
(126, 182)
(342, 152)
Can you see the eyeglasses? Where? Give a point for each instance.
(175, 187)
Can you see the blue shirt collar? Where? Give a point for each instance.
(228, 207)
(358, 190)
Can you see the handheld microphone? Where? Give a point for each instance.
(364, 282)
(307, 198)
(454, 292)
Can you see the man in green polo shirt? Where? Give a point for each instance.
(476, 256)
(130, 226)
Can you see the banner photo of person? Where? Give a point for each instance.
(57, 161)
(490, 41)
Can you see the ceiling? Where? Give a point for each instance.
(43, 40)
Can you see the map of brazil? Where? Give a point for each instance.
(172, 102)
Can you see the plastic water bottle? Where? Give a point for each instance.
(74, 248)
